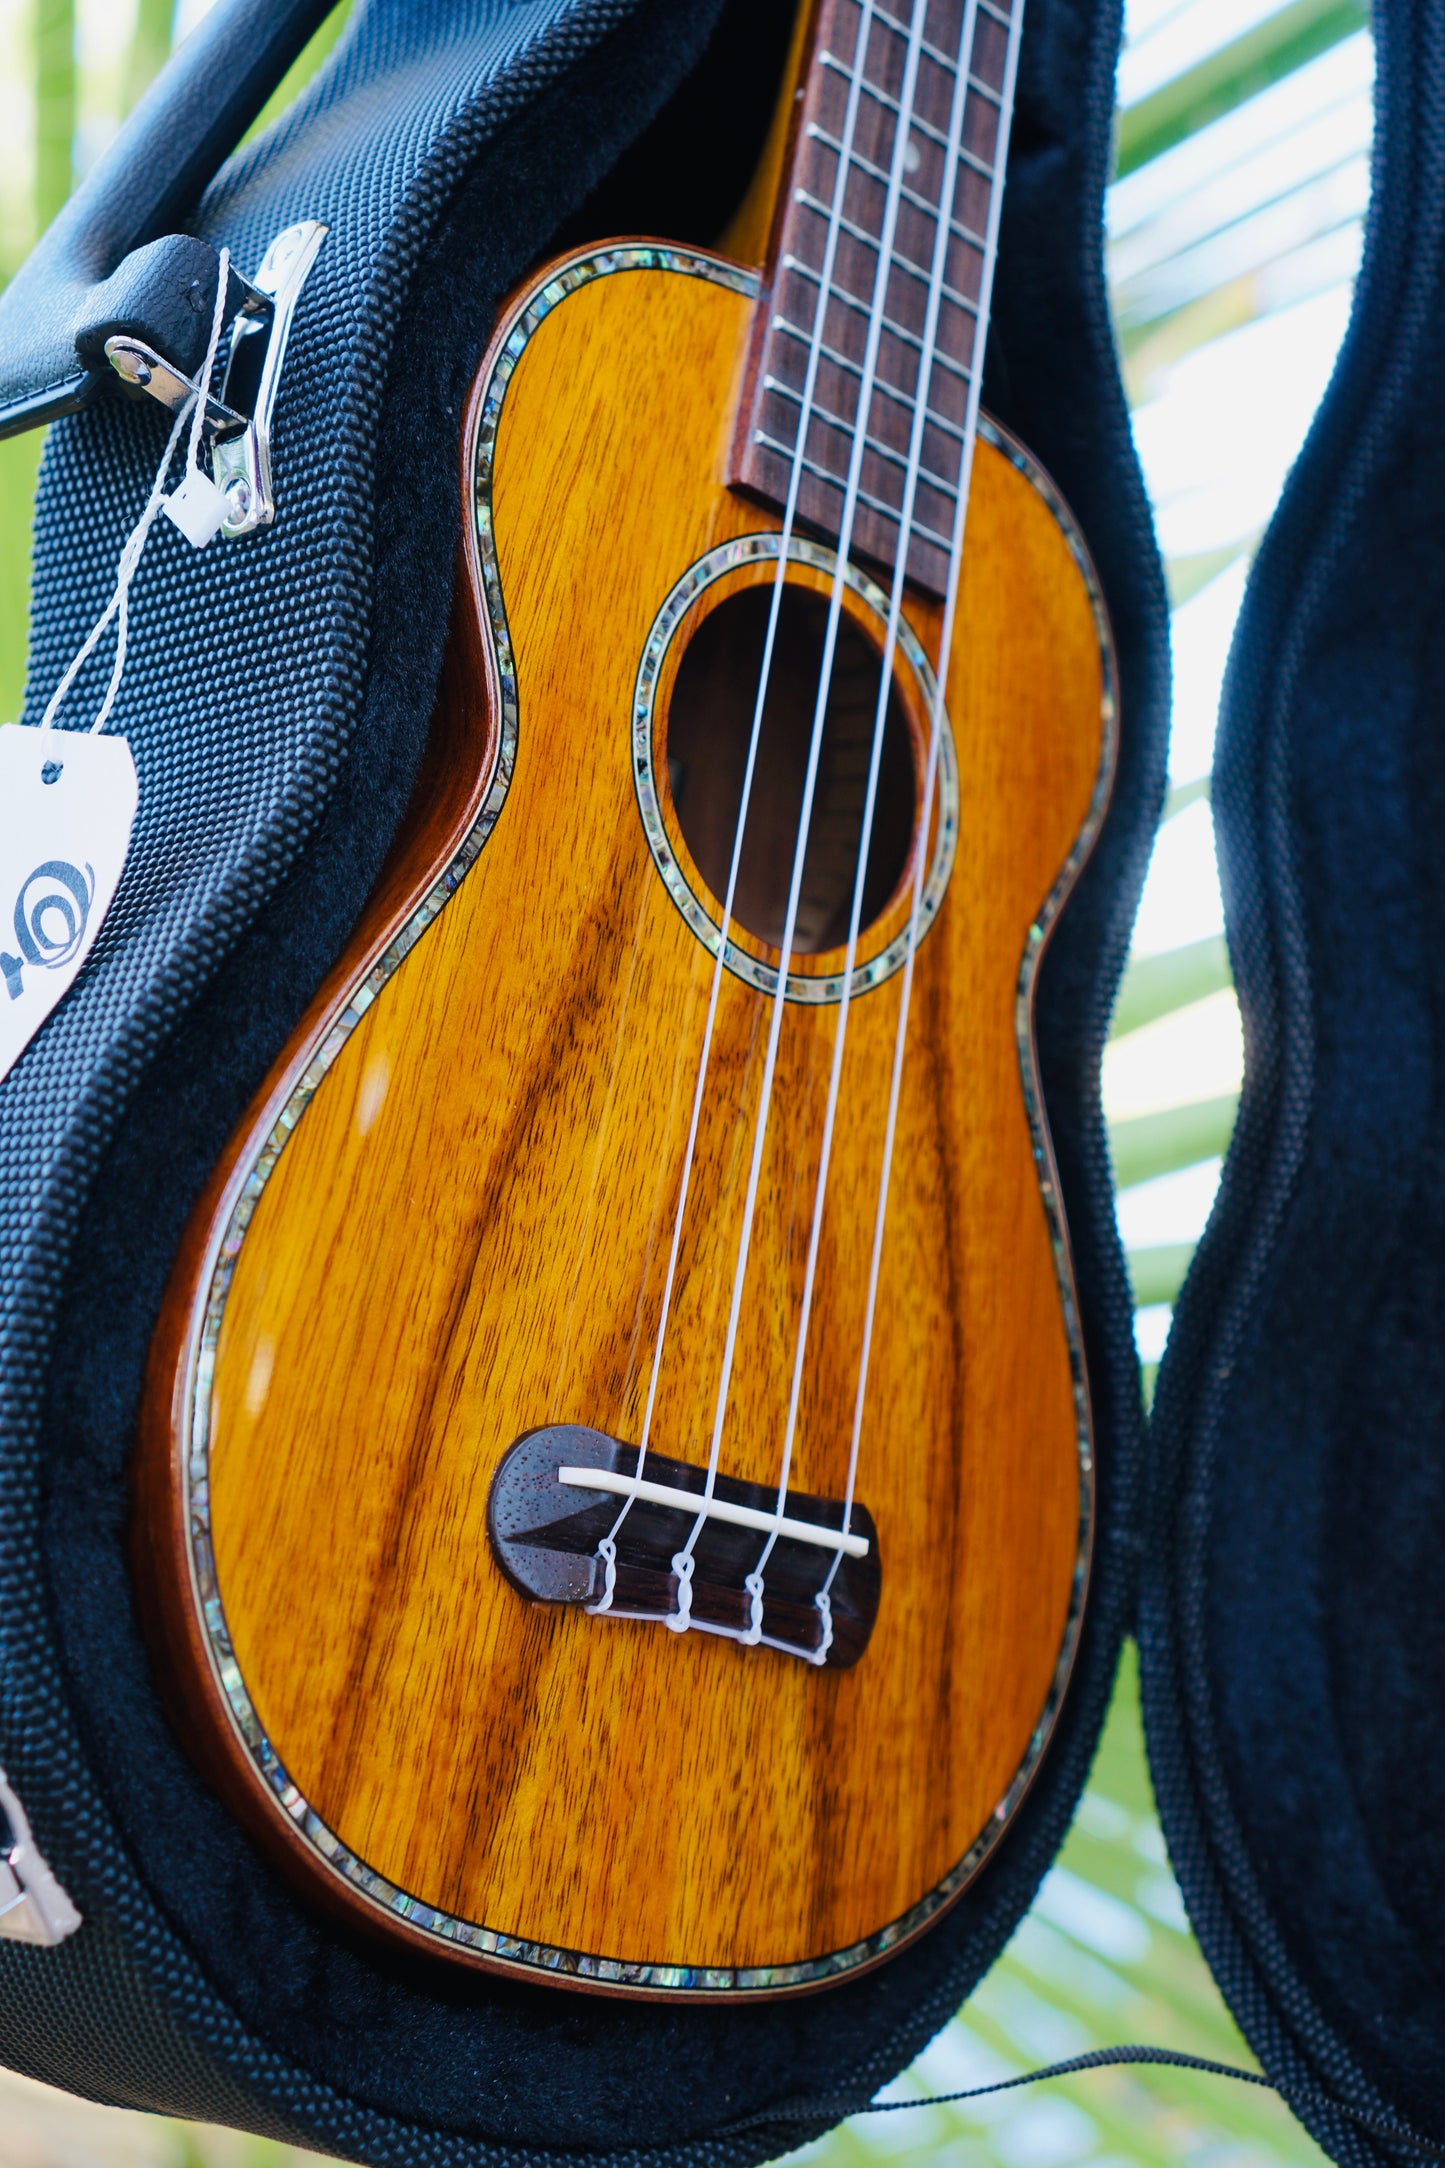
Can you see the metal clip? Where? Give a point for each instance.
(33, 1906)
(144, 369)
(238, 424)
(241, 465)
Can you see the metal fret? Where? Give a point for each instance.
(841, 293)
(947, 61)
(898, 331)
(927, 242)
(905, 399)
(876, 173)
(904, 263)
(935, 419)
(875, 504)
(823, 414)
(914, 117)
(858, 306)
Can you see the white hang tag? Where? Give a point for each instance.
(197, 507)
(67, 806)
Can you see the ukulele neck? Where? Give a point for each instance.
(879, 282)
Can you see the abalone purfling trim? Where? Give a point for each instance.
(755, 549)
(469, 1936)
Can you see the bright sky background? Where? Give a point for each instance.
(1258, 218)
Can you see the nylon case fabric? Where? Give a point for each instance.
(277, 696)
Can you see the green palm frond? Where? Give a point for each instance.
(1228, 76)
(55, 106)
(1157, 1274)
(150, 45)
(1156, 986)
(1179, 1136)
(299, 74)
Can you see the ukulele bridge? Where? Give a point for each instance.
(562, 1495)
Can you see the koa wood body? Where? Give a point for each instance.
(446, 1222)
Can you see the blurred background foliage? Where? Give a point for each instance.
(1234, 227)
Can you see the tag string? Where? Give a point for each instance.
(118, 606)
(1386, 2128)
(203, 382)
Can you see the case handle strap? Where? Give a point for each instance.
(111, 264)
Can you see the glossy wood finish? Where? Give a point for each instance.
(466, 1237)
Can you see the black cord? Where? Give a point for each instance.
(828, 2112)
(833, 2111)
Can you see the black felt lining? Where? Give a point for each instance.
(1293, 1625)
(423, 2052)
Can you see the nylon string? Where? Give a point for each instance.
(935, 737)
(682, 1562)
(681, 1620)
(928, 356)
(607, 1549)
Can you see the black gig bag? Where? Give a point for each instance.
(1269, 1540)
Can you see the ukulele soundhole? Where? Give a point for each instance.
(709, 725)
(556, 1497)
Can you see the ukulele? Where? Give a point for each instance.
(614, 1489)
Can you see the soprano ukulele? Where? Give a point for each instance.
(614, 1495)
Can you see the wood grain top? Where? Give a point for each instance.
(464, 1234)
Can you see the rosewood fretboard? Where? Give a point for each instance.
(873, 44)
